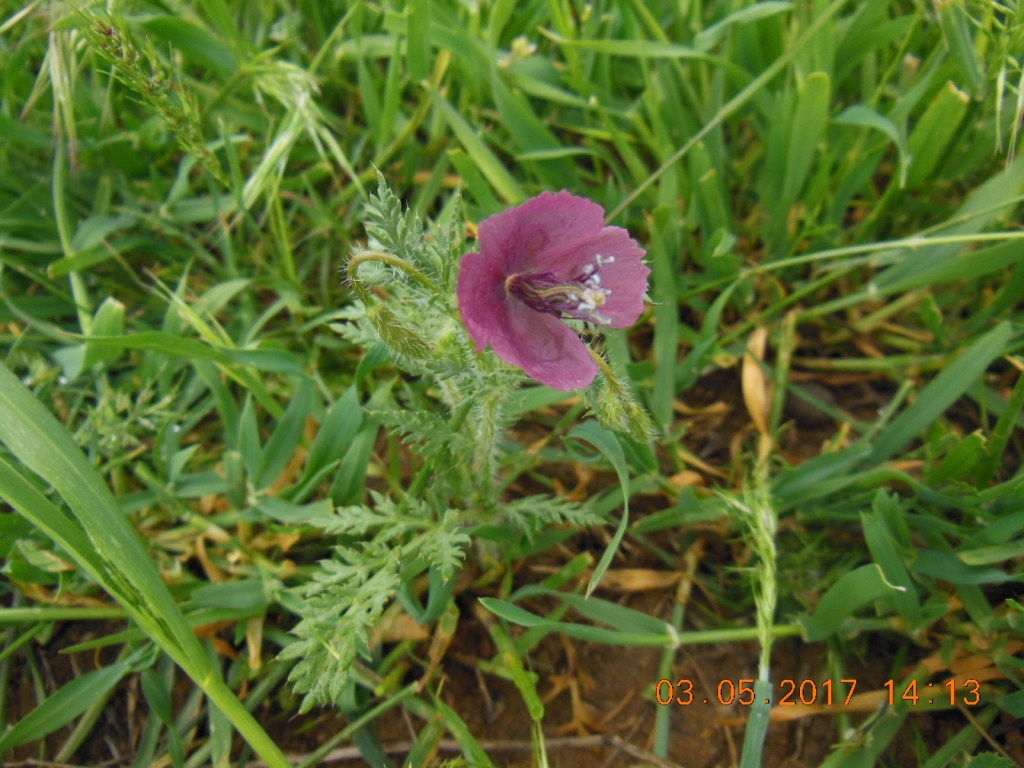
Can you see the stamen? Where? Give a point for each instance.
(580, 298)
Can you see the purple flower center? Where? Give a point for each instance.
(579, 298)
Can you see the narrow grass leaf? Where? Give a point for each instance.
(666, 327)
(108, 321)
(881, 543)
(336, 433)
(852, 591)
(24, 497)
(482, 155)
(391, 103)
(39, 441)
(284, 511)
(156, 691)
(417, 31)
(270, 360)
(957, 29)
(608, 444)
(617, 616)
(965, 741)
(530, 135)
(280, 448)
(987, 202)
(709, 37)
(999, 553)
(515, 614)
(757, 724)
(511, 661)
(934, 131)
(711, 201)
(1013, 704)
(65, 705)
(555, 154)
(218, 12)
(470, 746)
(966, 265)
(736, 102)
(474, 184)
(872, 29)
(428, 740)
(948, 567)
(501, 13)
(942, 392)
(995, 448)
(866, 117)
(194, 42)
(633, 49)
(873, 740)
(247, 442)
(512, 612)
(543, 90)
(961, 462)
(219, 729)
(350, 482)
(806, 131)
(35, 437)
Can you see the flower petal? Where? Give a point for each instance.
(543, 346)
(562, 234)
(558, 239)
(540, 231)
(622, 273)
(481, 293)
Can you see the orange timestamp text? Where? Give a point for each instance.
(793, 693)
(967, 692)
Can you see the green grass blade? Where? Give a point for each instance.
(664, 268)
(65, 705)
(280, 448)
(942, 392)
(1000, 438)
(417, 25)
(114, 549)
(806, 131)
(269, 360)
(511, 662)
(957, 28)
(757, 725)
(864, 116)
(851, 591)
(608, 444)
(736, 102)
(882, 542)
(512, 612)
(934, 132)
(35, 507)
(458, 728)
(194, 42)
(482, 155)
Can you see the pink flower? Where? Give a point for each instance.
(550, 258)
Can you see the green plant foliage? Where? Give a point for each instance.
(244, 433)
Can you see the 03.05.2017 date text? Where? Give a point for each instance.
(791, 693)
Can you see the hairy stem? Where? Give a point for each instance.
(486, 435)
(385, 258)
